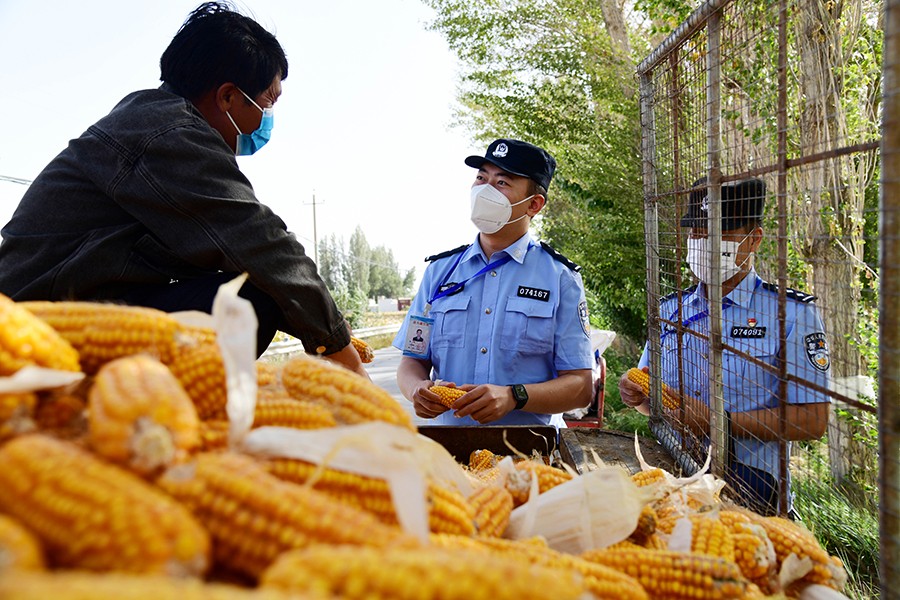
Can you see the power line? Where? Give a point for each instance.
(18, 180)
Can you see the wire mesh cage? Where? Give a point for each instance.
(761, 141)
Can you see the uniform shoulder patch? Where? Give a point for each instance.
(674, 294)
(447, 253)
(559, 257)
(792, 294)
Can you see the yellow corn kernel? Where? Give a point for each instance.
(601, 581)
(253, 516)
(493, 505)
(92, 515)
(17, 413)
(646, 526)
(214, 434)
(139, 416)
(670, 398)
(446, 394)
(403, 574)
(19, 548)
(27, 340)
(366, 354)
(519, 481)
(789, 538)
(448, 511)
(648, 477)
(62, 412)
(675, 575)
(103, 332)
(84, 585)
(351, 397)
(268, 374)
(287, 412)
(755, 555)
(200, 370)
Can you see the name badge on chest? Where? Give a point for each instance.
(748, 332)
(533, 293)
(418, 336)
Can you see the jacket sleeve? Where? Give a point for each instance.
(186, 188)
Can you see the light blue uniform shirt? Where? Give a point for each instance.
(749, 324)
(522, 322)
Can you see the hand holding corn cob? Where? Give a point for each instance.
(670, 397)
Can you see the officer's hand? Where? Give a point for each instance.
(696, 416)
(485, 403)
(426, 403)
(632, 393)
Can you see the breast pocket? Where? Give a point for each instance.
(749, 386)
(450, 318)
(527, 326)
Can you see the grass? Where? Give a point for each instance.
(844, 529)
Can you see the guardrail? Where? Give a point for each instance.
(293, 344)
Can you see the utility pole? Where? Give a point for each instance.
(315, 233)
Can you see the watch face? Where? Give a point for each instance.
(520, 394)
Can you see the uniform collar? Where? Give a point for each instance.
(741, 295)
(517, 250)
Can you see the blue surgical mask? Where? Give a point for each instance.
(247, 144)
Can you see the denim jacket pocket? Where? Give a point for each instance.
(527, 326)
(450, 316)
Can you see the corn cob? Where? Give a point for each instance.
(447, 395)
(601, 581)
(675, 575)
(287, 412)
(351, 397)
(789, 538)
(214, 434)
(646, 526)
(711, 537)
(482, 459)
(448, 510)
(103, 332)
(200, 370)
(648, 477)
(253, 516)
(493, 506)
(519, 481)
(17, 413)
(366, 354)
(670, 398)
(403, 574)
(84, 585)
(91, 515)
(755, 555)
(139, 416)
(19, 548)
(27, 340)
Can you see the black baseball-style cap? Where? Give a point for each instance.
(743, 202)
(519, 158)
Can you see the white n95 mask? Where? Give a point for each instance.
(491, 209)
(699, 258)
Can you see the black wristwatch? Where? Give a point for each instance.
(520, 395)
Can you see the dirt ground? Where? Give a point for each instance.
(613, 448)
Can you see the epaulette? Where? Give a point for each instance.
(559, 257)
(686, 292)
(792, 294)
(434, 257)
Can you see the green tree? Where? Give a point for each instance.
(359, 262)
(384, 274)
(331, 262)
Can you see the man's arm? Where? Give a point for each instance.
(487, 403)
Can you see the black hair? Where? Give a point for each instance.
(217, 45)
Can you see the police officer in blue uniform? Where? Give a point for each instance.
(750, 325)
(506, 315)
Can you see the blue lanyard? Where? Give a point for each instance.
(456, 286)
(726, 302)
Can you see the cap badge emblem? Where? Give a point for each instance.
(751, 322)
(704, 204)
(500, 151)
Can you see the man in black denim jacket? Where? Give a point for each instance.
(149, 207)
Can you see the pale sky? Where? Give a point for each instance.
(364, 122)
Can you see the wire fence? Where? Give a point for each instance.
(778, 370)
